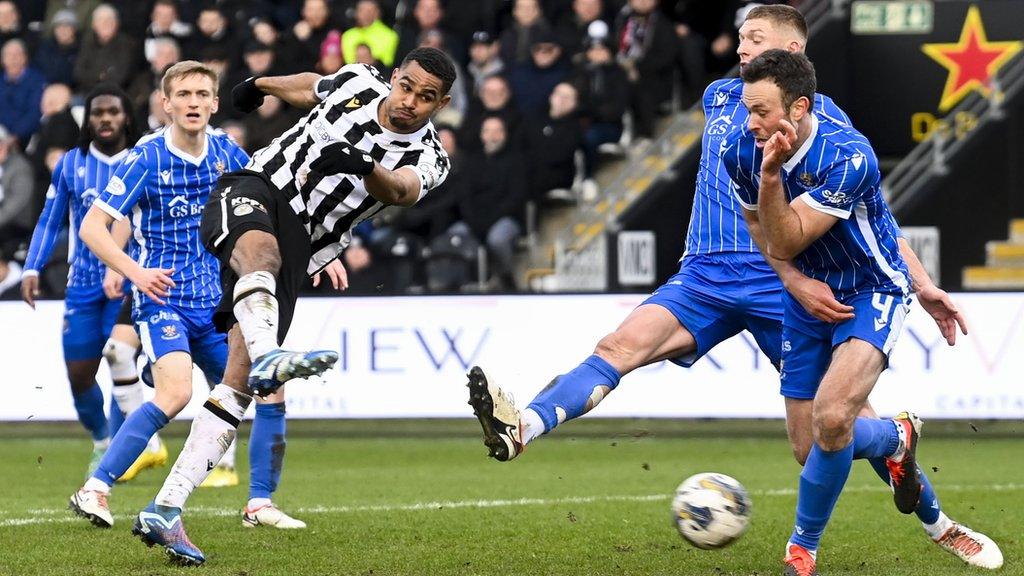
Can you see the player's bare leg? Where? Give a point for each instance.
(119, 352)
(256, 259)
(172, 374)
(649, 334)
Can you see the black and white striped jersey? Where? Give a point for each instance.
(331, 205)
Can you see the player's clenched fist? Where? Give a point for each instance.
(778, 147)
(342, 158)
(245, 96)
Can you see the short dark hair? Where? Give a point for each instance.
(780, 14)
(792, 72)
(131, 126)
(436, 63)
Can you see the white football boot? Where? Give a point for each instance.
(92, 506)
(498, 415)
(974, 548)
(270, 515)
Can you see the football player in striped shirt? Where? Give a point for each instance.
(724, 286)
(94, 295)
(810, 183)
(163, 185)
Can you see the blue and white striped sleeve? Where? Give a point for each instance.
(126, 185)
(52, 220)
(846, 182)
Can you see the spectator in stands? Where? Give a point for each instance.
(330, 54)
(216, 57)
(57, 52)
(300, 47)
(428, 16)
(107, 55)
(528, 23)
(259, 59)
(706, 42)
(647, 50)
(552, 141)
(604, 96)
(575, 31)
(82, 9)
(365, 56)
(236, 130)
(271, 120)
(164, 52)
(264, 31)
(533, 81)
(157, 117)
(484, 59)
(17, 203)
(494, 198)
(164, 23)
(212, 30)
(369, 30)
(11, 27)
(58, 132)
(21, 91)
(495, 100)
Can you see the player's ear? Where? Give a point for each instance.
(166, 103)
(216, 105)
(443, 103)
(799, 108)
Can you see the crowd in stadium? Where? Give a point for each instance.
(542, 84)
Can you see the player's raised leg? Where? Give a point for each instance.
(256, 259)
(650, 333)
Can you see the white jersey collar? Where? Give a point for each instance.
(802, 151)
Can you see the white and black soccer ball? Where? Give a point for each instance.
(711, 510)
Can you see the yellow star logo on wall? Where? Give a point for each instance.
(972, 61)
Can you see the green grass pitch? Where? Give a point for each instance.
(421, 498)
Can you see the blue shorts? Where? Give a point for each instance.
(807, 342)
(166, 329)
(88, 318)
(717, 297)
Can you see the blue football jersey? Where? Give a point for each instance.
(716, 223)
(77, 180)
(836, 172)
(163, 189)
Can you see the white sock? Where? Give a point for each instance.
(213, 430)
(255, 503)
(228, 459)
(103, 444)
(255, 308)
(935, 531)
(533, 426)
(129, 398)
(96, 485)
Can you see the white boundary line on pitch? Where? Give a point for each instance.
(62, 515)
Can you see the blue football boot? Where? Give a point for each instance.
(270, 371)
(161, 526)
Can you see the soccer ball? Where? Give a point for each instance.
(711, 510)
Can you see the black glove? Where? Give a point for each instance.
(246, 97)
(342, 158)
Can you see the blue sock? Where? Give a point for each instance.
(116, 417)
(873, 438)
(928, 508)
(130, 441)
(89, 405)
(266, 449)
(571, 391)
(821, 482)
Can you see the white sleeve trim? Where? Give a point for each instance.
(750, 207)
(113, 212)
(830, 210)
(28, 273)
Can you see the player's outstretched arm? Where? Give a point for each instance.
(299, 90)
(399, 187)
(935, 301)
(96, 234)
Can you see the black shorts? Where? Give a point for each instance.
(245, 201)
(124, 315)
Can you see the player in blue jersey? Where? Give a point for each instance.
(163, 185)
(724, 286)
(811, 183)
(93, 297)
